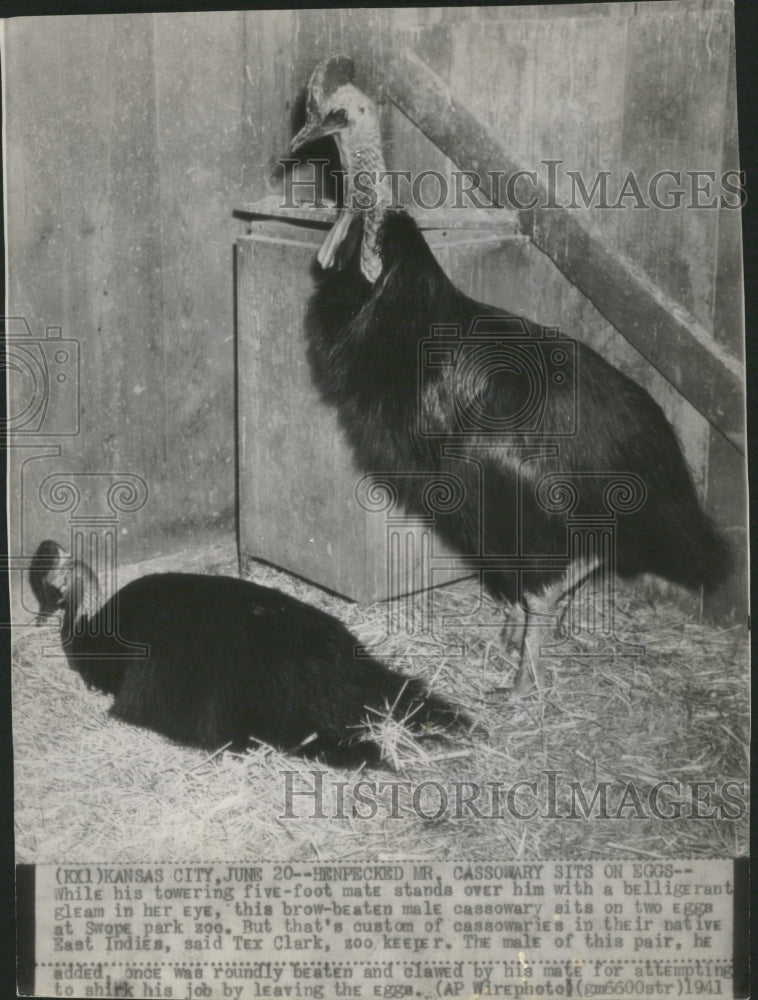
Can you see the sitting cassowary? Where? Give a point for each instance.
(379, 296)
(212, 660)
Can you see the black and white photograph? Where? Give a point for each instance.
(377, 486)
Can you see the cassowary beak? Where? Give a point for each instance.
(313, 129)
(44, 618)
(50, 606)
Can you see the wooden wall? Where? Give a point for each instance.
(131, 139)
(126, 157)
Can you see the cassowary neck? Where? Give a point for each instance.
(83, 598)
(366, 190)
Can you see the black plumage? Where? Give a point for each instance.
(364, 342)
(381, 293)
(216, 660)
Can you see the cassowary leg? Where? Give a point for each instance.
(544, 611)
(541, 620)
(512, 635)
(503, 654)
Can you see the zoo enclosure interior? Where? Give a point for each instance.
(132, 138)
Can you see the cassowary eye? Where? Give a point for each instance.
(337, 117)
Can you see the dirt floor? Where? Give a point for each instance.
(519, 784)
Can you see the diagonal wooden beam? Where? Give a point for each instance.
(671, 339)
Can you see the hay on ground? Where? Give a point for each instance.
(90, 787)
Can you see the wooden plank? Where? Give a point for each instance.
(727, 503)
(270, 92)
(670, 338)
(612, 10)
(727, 493)
(729, 304)
(200, 158)
(98, 216)
(295, 481)
(675, 93)
(34, 125)
(34, 130)
(113, 259)
(499, 220)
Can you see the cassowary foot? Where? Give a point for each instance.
(499, 665)
(543, 616)
(503, 657)
(513, 643)
(531, 673)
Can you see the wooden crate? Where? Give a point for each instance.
(298, 507)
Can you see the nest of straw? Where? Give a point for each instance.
(89, 787)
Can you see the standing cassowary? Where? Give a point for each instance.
(380, 294)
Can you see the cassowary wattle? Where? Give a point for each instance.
(336, 107)
(381, 295)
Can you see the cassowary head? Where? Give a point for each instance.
(60, 583)
(49, 578)
(335, 106)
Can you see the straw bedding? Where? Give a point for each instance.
(91, 788)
